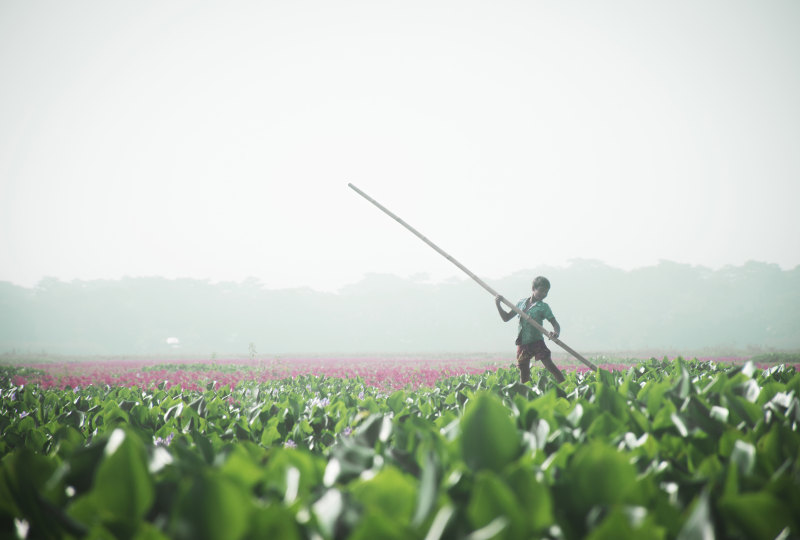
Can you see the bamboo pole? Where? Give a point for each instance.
(476, 278)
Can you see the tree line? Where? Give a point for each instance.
(667, 307)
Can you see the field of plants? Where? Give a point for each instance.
(420, 449)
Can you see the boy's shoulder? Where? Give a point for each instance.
(542, 303)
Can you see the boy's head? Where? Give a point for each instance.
(541, 286)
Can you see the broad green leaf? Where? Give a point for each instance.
(241, 467)
(396, 401)
(632, 523)
(744, 457)
(275, 521)
(611, 401)
(374, 524)
(533, 497)
(605, 426)
(492, 498)
(123, 487)
(699, 525)
(489, 438)
(390, 492)
(599, 475)
(428, 489)
(211, 506)
(757, 515)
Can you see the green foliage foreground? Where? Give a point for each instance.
(664, 450)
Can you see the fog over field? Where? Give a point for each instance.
(208, 142)
(669, 308)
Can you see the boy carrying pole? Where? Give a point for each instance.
(530, 341)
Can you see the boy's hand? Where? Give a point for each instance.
(554, 335)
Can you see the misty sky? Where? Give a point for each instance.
(215, 140)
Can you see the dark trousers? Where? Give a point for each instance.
(536, 349)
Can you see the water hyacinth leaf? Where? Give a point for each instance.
(731, 485)
(679, 424)
(598, 475)
(780, 443)
(757, 515)
(211, 506)
(24, 476)
(744, 457)
(533, 497)
(489, 438)
(491, 498)
(276, 521)
(653, 395)
(241, 467)
(390, 493)
(174, 411)
(328, 510)
(750, 390)
(744, 410)
(575, 416)
(720, 414)
(630, 522)
(376, 427)
(428, 489)
(518, 389)
(440, 522)
(202, 443)
(74, 418)
(123, 487)
(277, 472)
(699, 525)
(683, 385)
(374, 525)
(270, 435)
(605, 426)
(396, 401)
(699, 414)
(610, 400)
(494, 530)
(112, 416)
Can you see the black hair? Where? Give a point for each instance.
(540, 282)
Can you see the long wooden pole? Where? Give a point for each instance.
(473, 276)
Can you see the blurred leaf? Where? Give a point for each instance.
(744, 457)
(390, 492)
(492, 498)
(598, 475)
(699, 525)
(123, 490)
(532, 496)
(627, 523)
(489, 438)
(428, 489)
(275, 521)
(211, 506)
(757, 515)
(396, 401)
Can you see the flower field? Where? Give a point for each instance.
(409, 448)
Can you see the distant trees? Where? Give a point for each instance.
(668, 306)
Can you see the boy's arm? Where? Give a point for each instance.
(505, 315)
(556, 328)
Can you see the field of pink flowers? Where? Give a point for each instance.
(380, 372)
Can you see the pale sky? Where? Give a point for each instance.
(215, 140)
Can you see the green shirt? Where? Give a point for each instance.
(539, 311)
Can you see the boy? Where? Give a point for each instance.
(530, 341)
